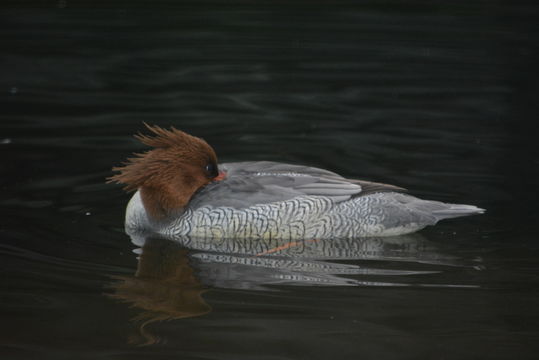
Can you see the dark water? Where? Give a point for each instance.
(437, 97)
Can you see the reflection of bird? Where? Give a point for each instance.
(182, 191)
(247, 263)
(164, 286)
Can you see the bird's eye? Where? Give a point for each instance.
(211, 170)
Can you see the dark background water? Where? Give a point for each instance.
(438, 97)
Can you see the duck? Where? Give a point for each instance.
(180, 190)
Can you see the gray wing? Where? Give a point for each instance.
(262, 182)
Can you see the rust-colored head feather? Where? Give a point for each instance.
(169, 174)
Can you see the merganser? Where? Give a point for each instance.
(182, 191)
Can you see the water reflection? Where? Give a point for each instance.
(164, 287)
(172, 275)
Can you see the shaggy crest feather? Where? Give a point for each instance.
(168, 175)
(139, 170)
(165, 138)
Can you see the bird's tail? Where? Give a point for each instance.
(456, 210)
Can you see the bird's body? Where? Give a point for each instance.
(270, 200)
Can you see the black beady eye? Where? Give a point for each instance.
(211, 170)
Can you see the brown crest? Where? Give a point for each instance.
(169, 174)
